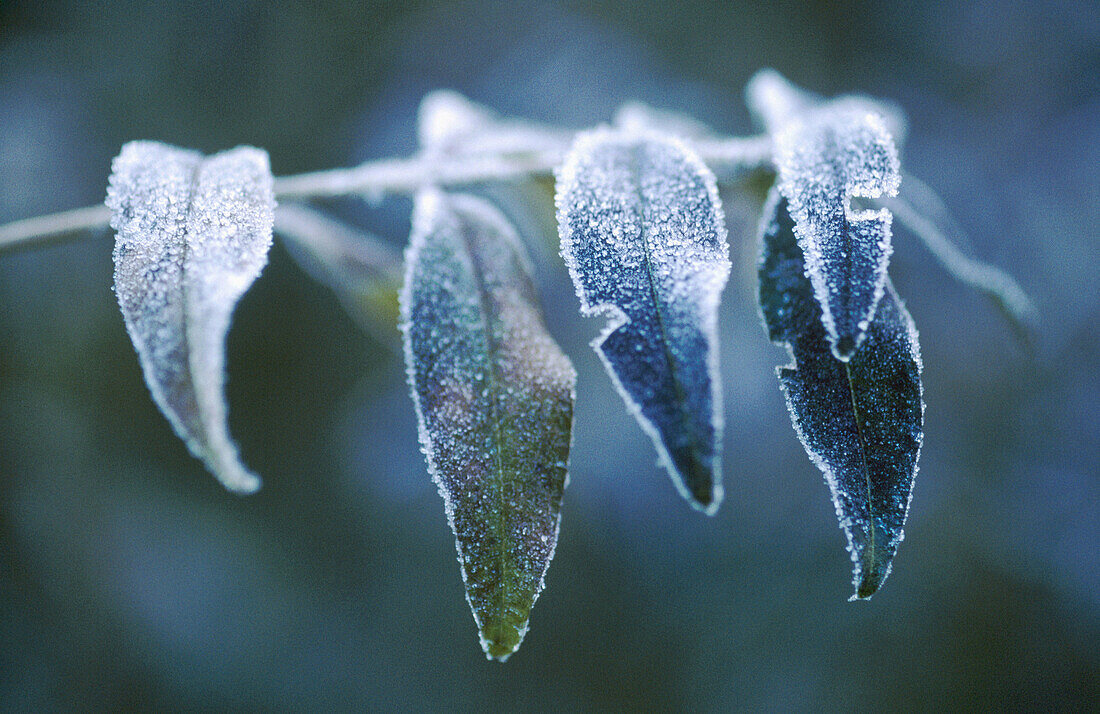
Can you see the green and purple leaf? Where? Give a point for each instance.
(494, 396)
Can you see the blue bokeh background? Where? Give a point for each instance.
(130, 580)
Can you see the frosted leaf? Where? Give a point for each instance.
(642, 234)
(860, 421)
(774, 101)
(450, 124)
(192, 235)
(826, 153)
(446, 117)
(640, 117)
(824, 161)
(921, 211)
(494, 397)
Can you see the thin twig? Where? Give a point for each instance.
(1001, 287)
(486, 162)
(57, 226)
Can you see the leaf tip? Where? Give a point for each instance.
(844, 346)
(868, 583)
(500, 640)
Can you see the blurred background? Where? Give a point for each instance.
(129, 579)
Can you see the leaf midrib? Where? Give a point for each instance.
(491, 348)
(681, 395)
(866, 469)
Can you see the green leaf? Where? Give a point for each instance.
(362, 270)
(494, 396)
(860, 421)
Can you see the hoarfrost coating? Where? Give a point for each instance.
(642, 233)
(193, 234)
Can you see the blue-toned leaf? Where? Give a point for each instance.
(860, 421)
(494, 396)
(774, 101)
(193, 234)
(642, 234)
(827, 153)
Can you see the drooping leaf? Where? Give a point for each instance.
(861, 420)
(826, 154)
(362, 269)
(642, 234)
(494, 396)
(640, 117)
(192, 235)
(774, 101)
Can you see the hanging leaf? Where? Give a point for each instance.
(861, 420)
(361, 269)
(774, 101)
(826, 154)
(642, 234)
(494, 396)
(193, 234)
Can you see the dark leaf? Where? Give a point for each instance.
(642, 233)
(861, 420)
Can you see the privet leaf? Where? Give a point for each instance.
(494, 396)
(827, 153)
(192, 235)
(642, 234)
(860, 420)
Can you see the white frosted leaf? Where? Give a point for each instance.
(826, 154)
(774, 101)
(193, 233)
(640, 117)
(445, 117)
(494, 397)
(861, 420)
(449, 124)
(643, 236)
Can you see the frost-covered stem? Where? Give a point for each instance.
(45, 229)
(512, 157)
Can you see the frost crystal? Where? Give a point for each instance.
(826, 153)
(494, 396)
(860, 420)
(192, 236)
(643, 237)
